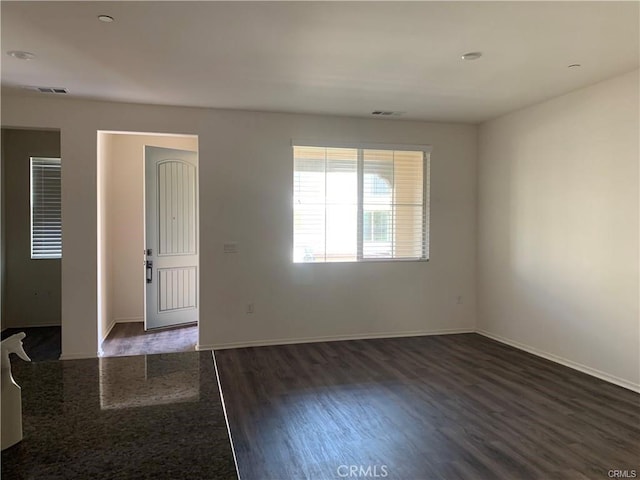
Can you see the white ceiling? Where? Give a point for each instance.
(345, 58)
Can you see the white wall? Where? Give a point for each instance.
(558, 229)
(245, 196)
(105, 316)
(123, 160)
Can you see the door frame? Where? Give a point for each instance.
(105, 296)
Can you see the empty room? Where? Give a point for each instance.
(320, 240)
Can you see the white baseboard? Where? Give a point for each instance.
(336, 338)
(332, 338)
(128, 319)
(112, 324)
(118, 320)
(621, 382)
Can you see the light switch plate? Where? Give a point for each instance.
(231, 247)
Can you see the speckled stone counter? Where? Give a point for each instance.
(142, 417)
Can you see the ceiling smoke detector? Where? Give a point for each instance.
(471, 56)
(105, 18)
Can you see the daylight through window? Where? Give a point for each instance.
(46, 208)
(360, 204)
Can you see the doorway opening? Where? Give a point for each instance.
(31, 239)
(148, 249)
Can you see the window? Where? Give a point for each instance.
(46, 211)
(360, 204)
(375, 226)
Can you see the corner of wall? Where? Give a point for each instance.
(476, 316)
(2, 233)
(557, 250)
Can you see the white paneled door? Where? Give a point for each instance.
(171, 217)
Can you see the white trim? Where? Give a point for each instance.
(128, 319)
(149, 134)
(79, 356)
(309, 142)
(621, 382)
(224, 410)
(110, 326)
(520, 346)
(331, 338)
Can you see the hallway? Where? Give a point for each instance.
(130, 339)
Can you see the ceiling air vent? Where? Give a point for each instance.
(386, 113)
(50, 89)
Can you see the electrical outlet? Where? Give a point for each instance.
(249, 307)
(459, 300)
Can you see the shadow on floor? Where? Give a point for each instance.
(41, 343)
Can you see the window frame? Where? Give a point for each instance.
(426, 195)
(35, 256)
(372, 227)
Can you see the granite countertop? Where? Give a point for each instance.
(152, 416)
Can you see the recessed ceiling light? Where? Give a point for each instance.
(574, 65)
(472, 55)
(105, 18)
(20, 55)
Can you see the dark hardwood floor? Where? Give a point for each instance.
(41, 343)
(441, 407)
(127, 339)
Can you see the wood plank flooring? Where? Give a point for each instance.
(130, 339)
(441, 407)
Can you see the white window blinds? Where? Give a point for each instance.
(46, 208)
(359, 204)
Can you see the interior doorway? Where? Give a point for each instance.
(147, 243)
(31, 239)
